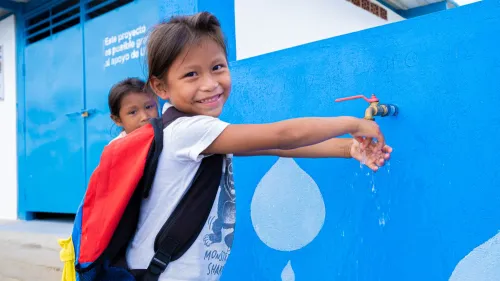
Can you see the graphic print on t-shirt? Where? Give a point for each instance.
(222, 225)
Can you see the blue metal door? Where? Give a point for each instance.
(67, 83)
(54, 123)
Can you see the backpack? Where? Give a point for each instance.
(108, 216)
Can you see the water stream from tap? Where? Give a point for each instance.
(381, 214)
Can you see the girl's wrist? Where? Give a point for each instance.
(347, 149)
(350, 124)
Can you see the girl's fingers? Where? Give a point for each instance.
(387, 149)
(372, 166)
(360, 140)
(366, 142)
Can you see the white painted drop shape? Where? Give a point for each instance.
(287, 274)
(287, 208)
(481, 264)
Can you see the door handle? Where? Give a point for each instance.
(84, 113)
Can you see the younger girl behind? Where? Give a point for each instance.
(131, 105)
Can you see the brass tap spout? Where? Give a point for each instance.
(375, 108)
(370, 112)
(382, 110)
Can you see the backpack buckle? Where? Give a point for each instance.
(159, 263)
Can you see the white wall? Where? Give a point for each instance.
(264, 26)
(8, 131)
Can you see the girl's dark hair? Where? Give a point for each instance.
(121, 89)
(168, 39)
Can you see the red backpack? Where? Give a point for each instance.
(107, 218)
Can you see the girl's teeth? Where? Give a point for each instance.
(210, 99)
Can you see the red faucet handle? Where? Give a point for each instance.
(370, 100)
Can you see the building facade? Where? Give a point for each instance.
(61, 57)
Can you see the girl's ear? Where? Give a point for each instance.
(160, 88)
(117, 120)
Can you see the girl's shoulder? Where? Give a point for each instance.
(188, 136)
(191, 125)
(121, 135)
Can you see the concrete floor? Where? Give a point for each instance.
(29, 250)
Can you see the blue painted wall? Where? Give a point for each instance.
(438, 199)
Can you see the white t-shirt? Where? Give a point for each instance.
(184, 140)
(121, 135)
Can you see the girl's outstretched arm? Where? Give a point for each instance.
(335, 148)
(291, 134)
(332, 148)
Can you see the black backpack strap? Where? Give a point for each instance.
(189, 217)
(159, 124)
(128, 224)
(152, 163)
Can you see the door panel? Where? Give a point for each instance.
(54, 125)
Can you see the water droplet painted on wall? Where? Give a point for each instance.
(287, 274)
(481, 264)
(287, 209)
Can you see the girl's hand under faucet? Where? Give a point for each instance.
(369, 152)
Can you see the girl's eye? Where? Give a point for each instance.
(150, 106)
(190, 74)
(218, 67)
(132, 112)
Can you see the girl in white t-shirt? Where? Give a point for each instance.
(131, 105)
(188, 66)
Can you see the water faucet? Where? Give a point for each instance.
(375, 108)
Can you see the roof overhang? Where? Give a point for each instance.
(414, 8)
